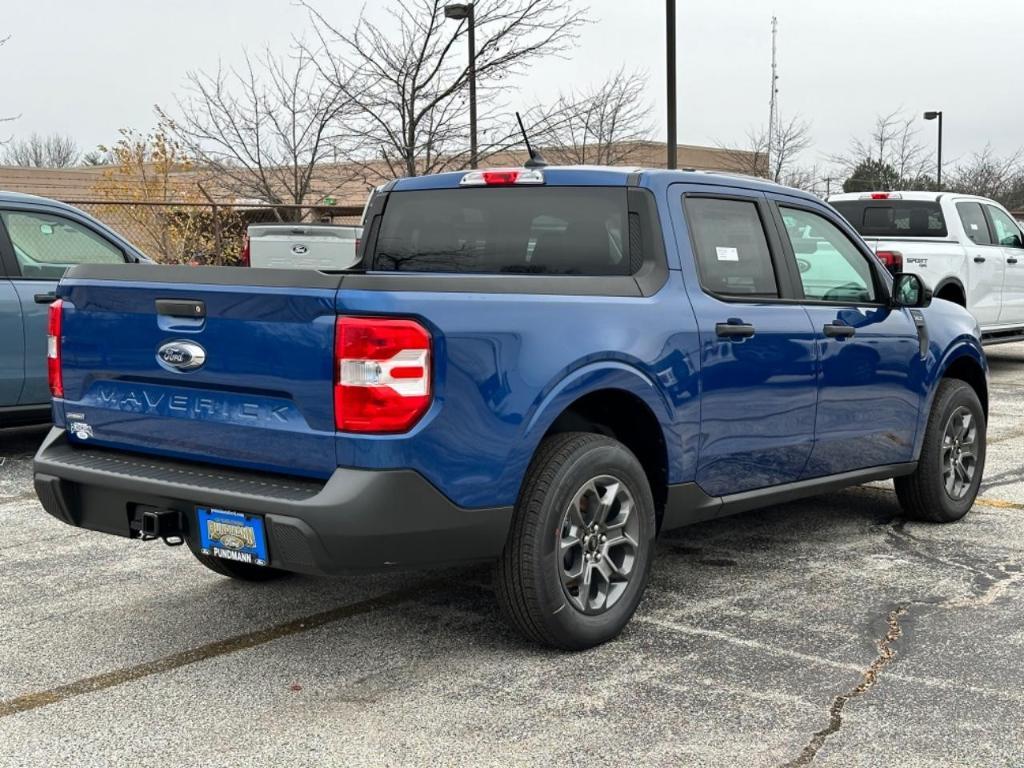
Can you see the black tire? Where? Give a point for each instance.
(923, 494)
(530, 573)
(240, 571)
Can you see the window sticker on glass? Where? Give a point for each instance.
(727, 254)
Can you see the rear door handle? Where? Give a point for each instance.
(979, 259)
(839, 330)
(734, 330)
(1011, 261)
(45, 298)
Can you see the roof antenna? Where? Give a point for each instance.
(536, 158)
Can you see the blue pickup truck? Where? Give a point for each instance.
(39, 240)
(538, 367)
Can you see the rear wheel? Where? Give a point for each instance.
(235, 570)
(945, 484)
(578, 556)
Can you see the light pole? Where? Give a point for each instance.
(460, 11)
(670, 64)
(931, 115)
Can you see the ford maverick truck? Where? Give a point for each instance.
(538, 367)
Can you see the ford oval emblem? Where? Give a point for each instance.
(181, 356)
(299, 249)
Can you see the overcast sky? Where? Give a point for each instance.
(88, 68)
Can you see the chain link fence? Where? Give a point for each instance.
(202, 233)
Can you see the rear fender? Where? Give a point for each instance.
(604, 376)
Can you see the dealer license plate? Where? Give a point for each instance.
(232, 535)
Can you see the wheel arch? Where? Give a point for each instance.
(619, 402)
(953, 290)
(964, 362)
(966, 368)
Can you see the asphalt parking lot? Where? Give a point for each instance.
(824, 632)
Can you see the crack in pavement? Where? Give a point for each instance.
(991, 583)
(886, 653)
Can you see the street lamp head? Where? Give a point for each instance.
(932, 115)
(458, 11)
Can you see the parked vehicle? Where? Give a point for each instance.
(39, 240)
(970, 250)
(540, 368)
(303, 246)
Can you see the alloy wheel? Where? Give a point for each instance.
(598, 544)
(959, 453)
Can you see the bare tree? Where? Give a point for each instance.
(989, 175)
(53, 151)
(598, 125)
(97, 157)
(774, 154)
(900, 160)
(262, 131)
(410, 85)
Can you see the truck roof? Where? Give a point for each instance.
(21, 197)
(908, 194)
(596, 175)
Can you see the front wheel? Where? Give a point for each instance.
(945, 484)
(579, 553)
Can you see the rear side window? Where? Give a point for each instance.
(507, 230)
(973, 219)
(731, 248)
(894, 218)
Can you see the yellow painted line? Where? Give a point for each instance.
(999, 503)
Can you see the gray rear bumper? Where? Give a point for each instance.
(356, 520)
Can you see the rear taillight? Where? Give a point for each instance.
(53, 343)
(245, 250)
(381, 373)
(893, 260)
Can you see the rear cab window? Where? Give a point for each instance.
(891, 218)
(507, 230)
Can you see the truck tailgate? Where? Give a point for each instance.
(261, 398)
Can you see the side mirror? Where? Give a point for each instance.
(909, 290)
(1013, 241)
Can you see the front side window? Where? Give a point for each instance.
(45, 245)
(1006, 230)
(973, 219)
(731, 248)
(831, 267)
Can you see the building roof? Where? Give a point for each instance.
(347, 183)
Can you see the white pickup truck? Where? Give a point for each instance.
(968, 249)
(302, 246)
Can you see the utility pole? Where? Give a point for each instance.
(670, 67)
(773, 104)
